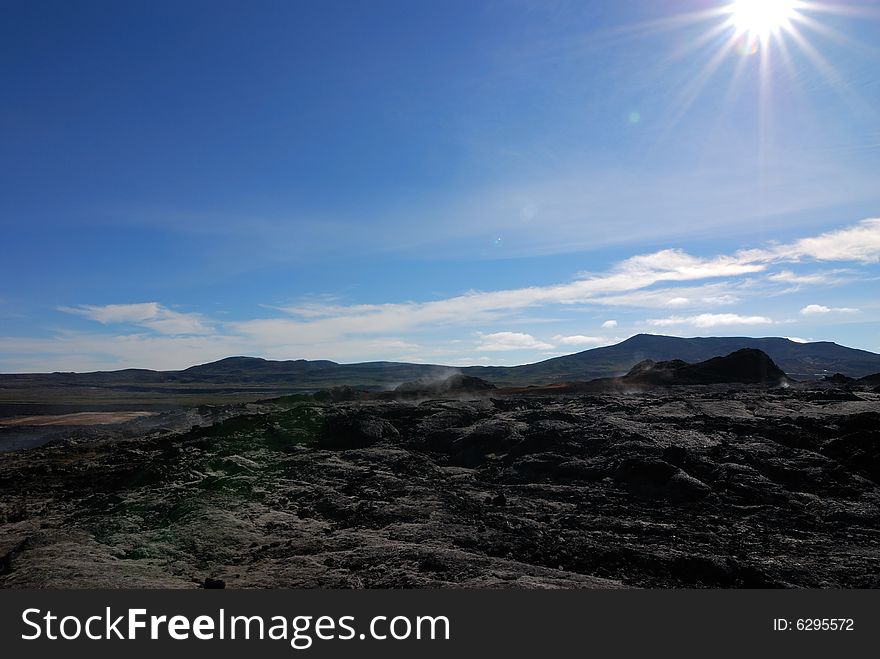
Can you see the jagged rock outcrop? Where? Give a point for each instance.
(746, 366)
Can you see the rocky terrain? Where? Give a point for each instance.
(691, 486)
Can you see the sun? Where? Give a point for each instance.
(769, 38)
(761, 18)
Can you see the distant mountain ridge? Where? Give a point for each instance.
(800, 361)
(747, 366)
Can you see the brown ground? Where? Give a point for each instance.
(77, 419)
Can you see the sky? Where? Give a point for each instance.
(455, 182)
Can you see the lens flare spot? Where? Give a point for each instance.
(747, 45)
(528, 212)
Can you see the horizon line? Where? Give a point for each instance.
(453, 367)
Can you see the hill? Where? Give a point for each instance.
(746, 366)
(801, 361)
(237, 379)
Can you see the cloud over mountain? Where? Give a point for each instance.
(502, 341)
(710, 320)
(667, 278)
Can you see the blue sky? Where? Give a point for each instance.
(448, 182)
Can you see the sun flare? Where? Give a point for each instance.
(773, 43)
(761, 18)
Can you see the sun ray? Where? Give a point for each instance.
(806, 113)
(691, 46)
(765, 119)
(774, 39)
(733, 85)
(670, 23)
(842, 9)
(787, 60)
(687, 97)
(837, 36)
(831, 76)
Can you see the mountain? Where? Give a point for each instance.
(249, 369)
(801, 361)
(745, 366)
(248, 376)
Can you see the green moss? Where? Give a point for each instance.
(226, 485)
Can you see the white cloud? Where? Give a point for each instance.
(720, 300)
(151, 315)
(819, 309)
(711, 294)
(709, 320)
(814, 309)
(77, 351)
(580, 340)
(328, 329)
(789, 277)
(797, 339)
(116, 313)
(859, 243)
(470, 361)
(82, 352)
(626, 283)
(500, 341)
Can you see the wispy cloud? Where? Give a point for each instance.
(628, 282)
(81, 351)
(704, 295)
(150, 315)
(665, 279)
(789, 277)
(859, 243)
(710, 320)
(504, 341)
(579, 340)
(814, 309)
(116, 313)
